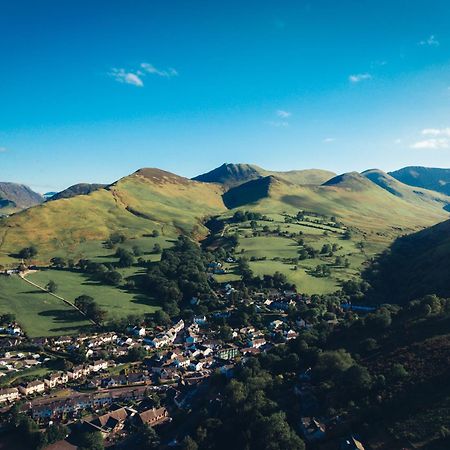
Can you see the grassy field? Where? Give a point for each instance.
(39, 313)
(117, 302)
(277, 252)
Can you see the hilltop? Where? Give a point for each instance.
(232, 175)
(425, 177)
(15, 197)
(77, 189)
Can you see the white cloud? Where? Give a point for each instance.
(122, 76)
(328, 140)
(397, 141)
(356, 78)
(3, 149)
(436, 132)
(136, 77)
(431, 41)
(150, 68)
(431, 144)
(283, 114)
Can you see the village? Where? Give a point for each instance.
(112, 391)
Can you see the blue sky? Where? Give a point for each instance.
(93, 90)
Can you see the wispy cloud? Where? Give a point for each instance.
(136, 77)
(122, 76)
(434, 139)
(3, 149)
(283, 114)
(150, 68)
(436, 132)
(358, 77)
(431, 144)
(328, 140)
(282, 119)
(431, 41)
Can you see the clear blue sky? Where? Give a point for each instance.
(93, 90)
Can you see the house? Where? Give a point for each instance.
(312, 429)
(228, 353)
(200, 320)
(63, 340)
(177, 327)
(351, 443)
(137, 331)
(181, 361)
(96, 366)
(276, 324)
(152, 417)
(111, 422)
(290, 334)
(9, 395)
(78, 372)
(256, 343)
(33, 387)
(56, 379)
(196, 366)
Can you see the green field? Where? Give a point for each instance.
(117, 302)
(277, 249)
(40, 314)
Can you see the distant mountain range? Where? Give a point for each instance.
(425, 177)
(15, 197)
(373, 202)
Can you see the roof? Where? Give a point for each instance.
(151, 415)
(110, 420)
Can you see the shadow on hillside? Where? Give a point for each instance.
(69, 315)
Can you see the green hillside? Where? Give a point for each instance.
(414, 266)
(415, 195)
(351, 197)
(135, 206)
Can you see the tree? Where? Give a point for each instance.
(358, 379)
(91, 441)
(149, 438)
(112, 277)
(51, 286)
(58, 262)
(56, 432)
(189, 444)
(137, 353)
(83, 302)
(28, 252)
(157, 249)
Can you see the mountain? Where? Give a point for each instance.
(152, 199)
(414, 266)
(135, 205)
(425, 177)
(15, 197)
(77, 189)
(232, 175)
(352, 197)
(411, 194)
